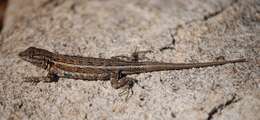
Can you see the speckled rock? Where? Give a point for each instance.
(174, 30)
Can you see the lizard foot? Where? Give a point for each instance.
(35, 80)
(135, 57)
(51, 77)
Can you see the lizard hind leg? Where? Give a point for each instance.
(124, 83)
(135, 57)
(139, 55)
(119, 80)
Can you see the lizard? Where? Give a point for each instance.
(92, 69)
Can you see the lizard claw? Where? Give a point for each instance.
(128, 92)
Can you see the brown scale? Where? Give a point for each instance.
(78, 60)
(77, 69)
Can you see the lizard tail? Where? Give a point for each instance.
(178, 66)
(205, 64)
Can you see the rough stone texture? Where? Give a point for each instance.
(175, 30)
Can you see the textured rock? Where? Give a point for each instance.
(175, 30)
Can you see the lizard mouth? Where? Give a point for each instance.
(21, 54)
(24, 56)
(31, 60)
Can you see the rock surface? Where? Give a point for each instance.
(175, 30)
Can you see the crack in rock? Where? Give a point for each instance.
(222, 106)
(211, 15)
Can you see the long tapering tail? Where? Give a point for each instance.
(150, 67)
(206, 64)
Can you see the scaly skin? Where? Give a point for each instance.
(89, 68)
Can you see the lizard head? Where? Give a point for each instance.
(36, 56)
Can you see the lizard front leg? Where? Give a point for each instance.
(51, 77)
